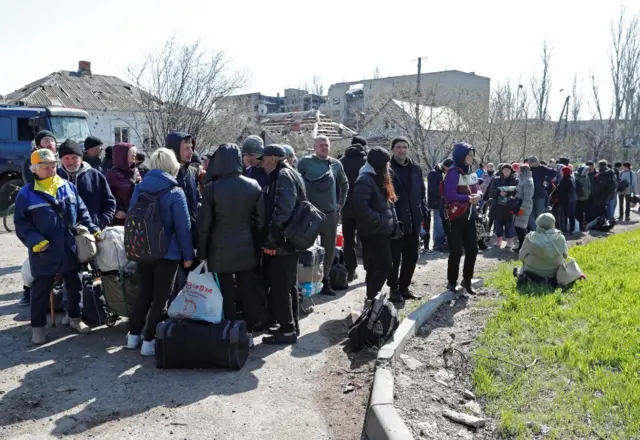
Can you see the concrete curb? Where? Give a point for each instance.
(383, 421)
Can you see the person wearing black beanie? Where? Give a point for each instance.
(373, 199)
(69, 147)
(41, 136)
(399, 139)
(359, 140)
(92, 151)
(44, 139)
(107, 161)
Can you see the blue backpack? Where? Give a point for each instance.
(144, 235)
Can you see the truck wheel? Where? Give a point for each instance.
(8, 192)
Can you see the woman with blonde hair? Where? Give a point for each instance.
(157, 278)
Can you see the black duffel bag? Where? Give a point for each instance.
(304, 226)
(182, 343)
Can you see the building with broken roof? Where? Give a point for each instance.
(353, 103)
(115, 114)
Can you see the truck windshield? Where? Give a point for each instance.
(67, 127)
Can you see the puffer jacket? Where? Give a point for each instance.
(543, 252)
(353, 160)
(285, 191)
(38, 223)
(231, 215)
(175, 216)
(411, 207)
(525, 191)
(94, 192)
(121, 179)
(374, 215)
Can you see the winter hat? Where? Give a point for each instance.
(43, 134)
(288, 149)
(399, 139)
(378, 157)
(525, 170)
(253, 145)
(566, 171)
(359, 140)
(533, 160)
(92, 141)
(506, 165)
(546, 221)
(516, 167)
(69, 147)
(272, 150)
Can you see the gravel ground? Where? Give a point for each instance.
(435, 369)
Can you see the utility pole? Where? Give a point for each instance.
(417, 122)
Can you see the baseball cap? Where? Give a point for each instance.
(274, 150)
(43, 156)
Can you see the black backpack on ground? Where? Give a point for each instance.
(338, 274)
(197, 344)
(144, 237)
(94, 310)
(375, 325)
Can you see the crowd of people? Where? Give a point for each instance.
(231, 209)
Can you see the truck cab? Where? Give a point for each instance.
(18, 128)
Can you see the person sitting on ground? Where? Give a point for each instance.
(44, 209)
(157, 278)
(542, 253)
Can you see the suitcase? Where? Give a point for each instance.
(182, 343)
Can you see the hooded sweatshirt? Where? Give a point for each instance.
(187, 176)
(94, 191)
(121, 179)
(545, 249)
(460, 182)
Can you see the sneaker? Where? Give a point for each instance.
(327, 290)
(133, 341)
(66, 320)
(281, 339)
(38, 335)
(79, 326)
(466, 284)
(148, 348)
(24, 302)
(352, 276)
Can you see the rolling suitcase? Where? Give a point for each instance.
(182, 343)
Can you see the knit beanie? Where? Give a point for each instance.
(43, 134)
(399, 139)
(515, 166)
(69, 147)
(92, 141)
(378, 158)
(533, 160)
(359, 140)
(566, 171)
(546, 221)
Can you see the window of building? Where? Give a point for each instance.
(25, 132)
(121, 134)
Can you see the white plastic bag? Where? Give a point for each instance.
(200, 299)
(111, 255)
(27, 279)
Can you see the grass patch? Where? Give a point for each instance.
(587, 339)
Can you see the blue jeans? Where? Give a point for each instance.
(438, 229)
(611, 211)
(539, 207)
(504, 229)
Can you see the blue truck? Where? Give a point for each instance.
(18, 128)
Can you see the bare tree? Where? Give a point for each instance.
(576, 99)
(541, 84)
(180, 86)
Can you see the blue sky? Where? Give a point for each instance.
(284, 43)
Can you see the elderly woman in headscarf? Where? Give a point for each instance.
(543, 252)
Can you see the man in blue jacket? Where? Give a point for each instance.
(91, 183)
(183, 145)
(411, 209)
(45, 211)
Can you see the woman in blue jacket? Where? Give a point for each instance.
(157, 278)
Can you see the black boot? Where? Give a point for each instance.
(352, 276)
(395, 296)
(409, 294)
(452, 286)
(466, 284)
(26, 297)
(326, 289)
(281, 338)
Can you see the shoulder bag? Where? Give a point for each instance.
(569, 271)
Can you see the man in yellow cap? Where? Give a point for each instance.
(46, 213)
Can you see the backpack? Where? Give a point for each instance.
(94, 310)
(623, 184)
(375, 325)
(144, 235)
(609, 185)
(338, 274)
